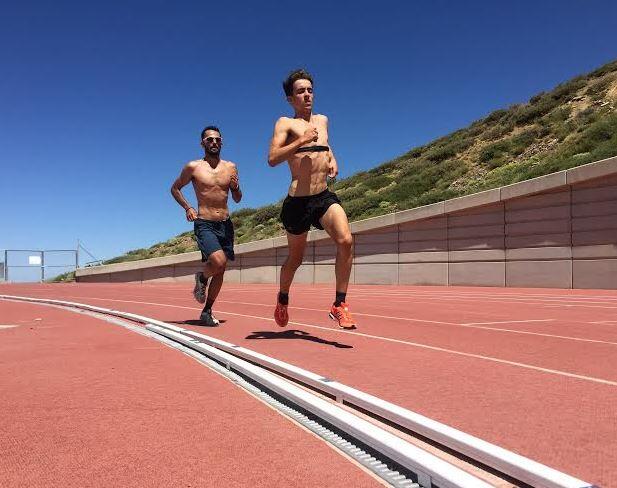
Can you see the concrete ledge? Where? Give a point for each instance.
(535, 185)
(141, 264)
(254, 246)
(279, 241)
(372, 223)
(475, 200)
(591, 171)
(419, 213)
(317, 235)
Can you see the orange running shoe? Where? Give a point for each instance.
(343, 315)
(281, 317)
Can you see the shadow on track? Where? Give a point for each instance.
(295, 334)
(198, 323)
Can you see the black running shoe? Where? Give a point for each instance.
(207, 319)
(199, 291)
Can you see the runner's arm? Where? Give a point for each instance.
(234, 186)
(278, 151)
(332, 165)
(185, 177)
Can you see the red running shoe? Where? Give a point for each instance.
(281, 317)
(343, 316)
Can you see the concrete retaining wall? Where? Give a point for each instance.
(558, 231)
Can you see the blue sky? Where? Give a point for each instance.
(102, 104)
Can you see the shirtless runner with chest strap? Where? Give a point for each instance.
(302, 141)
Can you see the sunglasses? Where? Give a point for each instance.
(213, 139)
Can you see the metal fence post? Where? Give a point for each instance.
(6, 265)
(42, 266)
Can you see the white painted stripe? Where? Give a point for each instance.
(398, 341)
(493, 329)
(509, 322)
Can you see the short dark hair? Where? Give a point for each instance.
(210, 127)
(299, 74)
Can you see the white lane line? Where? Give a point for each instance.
(472, 299)
(355, 313)
(580, 305)
(419, 321)
(398, 341)
(509, 322)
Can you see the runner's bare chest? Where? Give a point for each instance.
(207, 178)
(297, 127)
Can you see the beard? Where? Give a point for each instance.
(213, 151)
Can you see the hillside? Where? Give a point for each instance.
(573, 124)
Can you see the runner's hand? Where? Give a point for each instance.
(310, 135)
(234, 183)
(191, 215)
(332, 170)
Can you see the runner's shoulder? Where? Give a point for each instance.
(284, 121)
(321, 117)
(192, 164)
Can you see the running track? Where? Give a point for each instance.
(532, 370)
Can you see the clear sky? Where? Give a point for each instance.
(102, 103)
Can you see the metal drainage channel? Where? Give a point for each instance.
(380, 465)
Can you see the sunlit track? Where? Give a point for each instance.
(417, 321)
(413, 298)
(452, 292)
(429, 470)
(454, 295)
(387, 339)
(504, 386)
(545, 301)
(413, 301)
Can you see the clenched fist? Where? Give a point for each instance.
(310, 135)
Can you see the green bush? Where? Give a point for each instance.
(264, 214)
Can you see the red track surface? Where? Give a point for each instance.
(532, 370)
(89, 404)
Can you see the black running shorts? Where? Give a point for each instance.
(299, 213)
